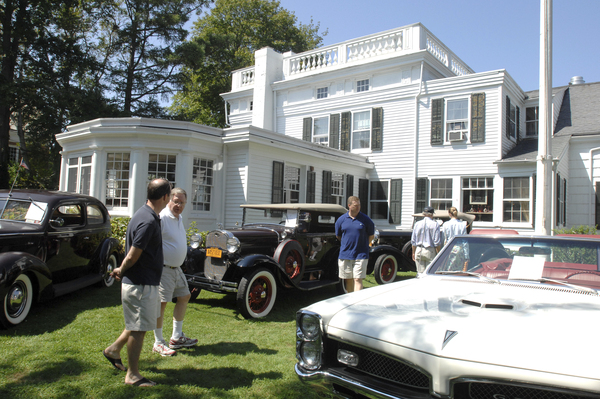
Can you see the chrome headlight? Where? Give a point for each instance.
(195, 240)
(233, 244)
(309, 340)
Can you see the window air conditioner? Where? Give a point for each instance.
(456, 136)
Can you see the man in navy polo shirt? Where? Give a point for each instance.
(355, 230)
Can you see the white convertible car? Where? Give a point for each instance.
(493, 317)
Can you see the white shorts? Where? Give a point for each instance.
(172, 284)
(350, 268)
(141, 306)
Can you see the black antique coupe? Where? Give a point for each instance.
(51, 243)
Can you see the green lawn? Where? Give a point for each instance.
(57, 351)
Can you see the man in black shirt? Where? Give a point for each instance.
(140, 273)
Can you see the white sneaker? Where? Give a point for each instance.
(163, 349)
(182, 342)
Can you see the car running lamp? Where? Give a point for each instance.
(233, 244)
(309, 340)
(195, 240)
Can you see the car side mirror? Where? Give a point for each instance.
(58, 222)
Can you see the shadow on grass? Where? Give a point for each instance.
(58, 312)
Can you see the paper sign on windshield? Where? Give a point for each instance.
(36, 212)
(290, 220)
(526, 268)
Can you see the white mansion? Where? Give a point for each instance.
(395, 118)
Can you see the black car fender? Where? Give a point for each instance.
(13, 264)
(109, 246)
(404, 262)
(255, 260)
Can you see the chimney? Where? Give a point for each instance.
(576, 80)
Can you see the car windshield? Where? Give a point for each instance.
(569, 261)
(27, 211)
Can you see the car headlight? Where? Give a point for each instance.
(309, 340)
(233, 244)
(195, 240)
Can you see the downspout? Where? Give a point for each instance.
(591, 204)
(416, 143)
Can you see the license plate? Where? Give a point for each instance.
(214, 252)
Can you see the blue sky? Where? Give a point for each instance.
(485, 34)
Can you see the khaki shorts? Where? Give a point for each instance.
(350, 268)
(141, 306)
(423, 257)
(172, 284)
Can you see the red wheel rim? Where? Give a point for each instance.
(292, 262)
(387, 270)
(259, 295)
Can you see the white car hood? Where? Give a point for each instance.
(531, 326)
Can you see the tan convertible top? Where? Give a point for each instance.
(304, 207)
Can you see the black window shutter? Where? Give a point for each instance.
(277, 192)
(478, 118)
(334, 131)
(376, 129)
(345, 131)
(307, 129)
(534, 199)
(565, 202)
(518, 123)
(422, 194)
(311, 178)
(507, 117)
(363, 195)
(597, 204)
(557, 207)
(396, 201)
(437, 121)
(326, 192)
(349, 186)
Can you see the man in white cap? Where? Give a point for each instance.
(426, 240)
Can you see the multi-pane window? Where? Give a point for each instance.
(441, 193)
(478, 197)
(291, 185)
(532, 121)
(322, 92)
(516, 199)
(202, 184)
(79, 173)
(362, 85)
(361, 130)
(337, 188)
(512, 121)
(117, 179)
(321, 130)
(162, 165)
(457, 119)
(378, 200)
(13, 154)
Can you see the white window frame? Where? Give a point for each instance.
(512, 124)
(321, 138)
(441, 202)
(203, 178)
(291, 184)
(117, 179)
(13, 153)
(322, 92)
(338, 188)
(82, 167)
(170, 167)
(386, 188)
(363, 85)
(368, 131)
(460, 126)
(535, 121)
(524, 215)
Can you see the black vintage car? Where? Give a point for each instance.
(51, 243)
(288, 246)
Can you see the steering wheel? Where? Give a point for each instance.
(493, 253)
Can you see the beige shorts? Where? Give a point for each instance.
(172, 284)
(141, 306)
(350, 268)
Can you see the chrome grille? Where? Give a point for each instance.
(217, 239)
(215, 268)
(387, 368)
(480, 390)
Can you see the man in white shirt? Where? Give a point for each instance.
(426, 240)
(173, 283)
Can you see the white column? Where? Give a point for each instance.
(543, 220)
(138, 178)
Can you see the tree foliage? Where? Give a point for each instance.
(223, 41)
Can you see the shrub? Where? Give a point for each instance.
(583, 229)
(119, 230)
